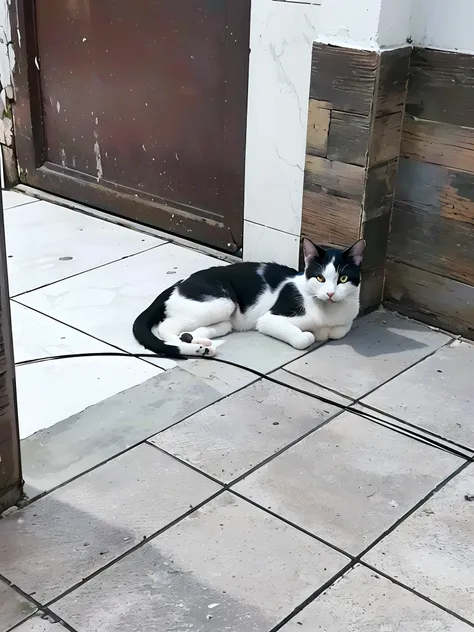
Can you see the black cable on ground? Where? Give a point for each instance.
(406, 428)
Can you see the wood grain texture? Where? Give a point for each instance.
(375, 231)
(371, 289)
(441, 87)
(433, 299)
(348, 138)
(330, 220)
(439, 143)
(319, 116)
(393, 81)
(344, 77)
(386, 138)
(335, 177)
(436, 190)
(379, 189)
(432, 220)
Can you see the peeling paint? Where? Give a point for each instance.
(7, 54)
(98, 158)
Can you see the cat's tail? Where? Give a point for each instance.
(143, 326)
(154, 315)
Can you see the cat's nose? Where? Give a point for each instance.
(330, 294)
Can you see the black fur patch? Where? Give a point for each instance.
(186, 338)
(240, 282)
(275, 274)
(289, 302)
(342, 262)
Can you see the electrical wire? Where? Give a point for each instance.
(396, 424)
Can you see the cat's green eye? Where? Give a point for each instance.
(343, 279)
(320, 278)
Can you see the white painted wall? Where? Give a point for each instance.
(444, 24)
(282, 35)
(395, 22)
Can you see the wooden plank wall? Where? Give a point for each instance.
(430, 270)
(355, 121)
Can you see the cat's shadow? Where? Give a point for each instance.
(381, 339)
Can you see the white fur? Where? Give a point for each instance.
(330, 310)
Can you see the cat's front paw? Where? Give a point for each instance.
(336, 333)
(303, 340)
(322, 334)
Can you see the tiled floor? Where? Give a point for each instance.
(196, 496)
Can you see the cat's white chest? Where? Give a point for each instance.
(328, 314)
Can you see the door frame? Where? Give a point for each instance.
(208, 229)
(11, 483)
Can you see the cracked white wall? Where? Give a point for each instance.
(282, 35)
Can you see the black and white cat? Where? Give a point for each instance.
(295, 307)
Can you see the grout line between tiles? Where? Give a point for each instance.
(308, 380)
(123, 222)
(358, 558)
(353, 559)
(314, 596)
(149, 443)
(429, 432)
(415, 508)
(134, 548)
(44, 612)
(128, 449)
(416, 593)
(76, 274)
(357, 399)
(286, 448)
(313, 536)
(10, 208)
(81, 331)
(237, 480)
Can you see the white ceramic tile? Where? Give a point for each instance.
(14, 198)
(105, 302)
(52, 391)
(262, 243)
(47, 243)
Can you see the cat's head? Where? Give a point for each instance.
(333, 275)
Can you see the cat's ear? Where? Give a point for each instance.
(355, 252)
(311, 251)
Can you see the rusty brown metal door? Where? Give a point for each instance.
(137, 108)
(10, 469)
